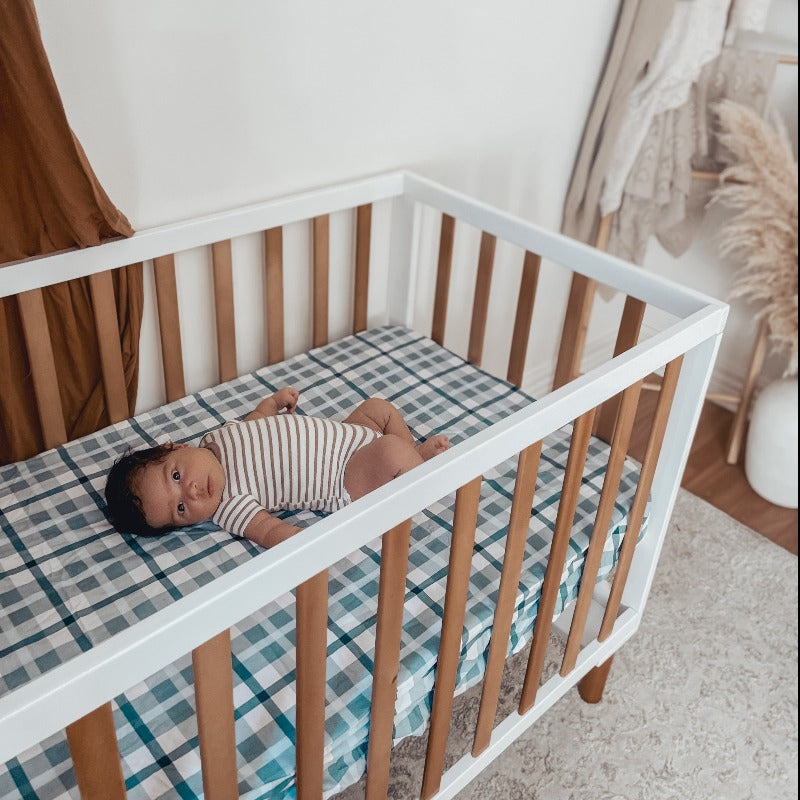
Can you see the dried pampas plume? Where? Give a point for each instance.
(761, 183)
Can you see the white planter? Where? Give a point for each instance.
(770, 461)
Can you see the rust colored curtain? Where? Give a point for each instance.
(50, 199)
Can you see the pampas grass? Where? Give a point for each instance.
(761, 184)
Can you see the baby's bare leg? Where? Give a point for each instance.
(382, 416)
(379, 462)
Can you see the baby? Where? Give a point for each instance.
(268, 462)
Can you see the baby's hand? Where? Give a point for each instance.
(286, 398)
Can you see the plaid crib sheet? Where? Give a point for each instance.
(68, 582)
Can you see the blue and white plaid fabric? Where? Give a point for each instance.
(68, 581)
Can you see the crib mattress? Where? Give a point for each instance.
(68, 582)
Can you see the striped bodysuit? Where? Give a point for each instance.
(286, 461)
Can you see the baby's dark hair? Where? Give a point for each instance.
(123, 505)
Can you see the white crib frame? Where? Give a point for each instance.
(68, 692)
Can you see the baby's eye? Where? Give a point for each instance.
(176, 476)
(181, 508)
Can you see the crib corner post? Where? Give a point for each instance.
(593, 684)
(681, 424)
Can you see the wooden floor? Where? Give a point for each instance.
(724, 486)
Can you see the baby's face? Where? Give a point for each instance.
(183, 489)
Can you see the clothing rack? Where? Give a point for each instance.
(744, 399)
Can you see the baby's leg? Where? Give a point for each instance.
(379, 462)
(382, 416)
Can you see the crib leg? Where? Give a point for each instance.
(591, 686)
(95, 756)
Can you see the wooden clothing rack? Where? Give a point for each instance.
(631, 324)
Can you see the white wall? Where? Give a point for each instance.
(189, 107)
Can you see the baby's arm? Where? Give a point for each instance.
(284, 398)
(267, 531)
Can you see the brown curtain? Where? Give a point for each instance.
(51, 200)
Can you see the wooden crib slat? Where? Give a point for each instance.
(213, 691)
(321, 275)
(391, 597)
(522, 322)
(312, 643)
(480, 303)
(106, 323)
(444, 267)
(576, 320)
(43, 368)
(627, 336)
(169, 326)
(570, 492)
(463, 540)
(573, 334)
(95, 756)
(361, 289)
(224, 310)
(636, 513)
(273, 258)
(519, 522)
(591, 565)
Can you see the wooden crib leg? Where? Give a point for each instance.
(95, 756)
(591, 687)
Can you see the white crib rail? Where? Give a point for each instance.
(22, 276)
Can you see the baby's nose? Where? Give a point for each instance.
(192, 490)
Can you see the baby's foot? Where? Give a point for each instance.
(433, 446)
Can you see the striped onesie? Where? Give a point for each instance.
(286, 461)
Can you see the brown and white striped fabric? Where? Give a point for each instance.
(283, 462)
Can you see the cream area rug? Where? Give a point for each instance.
(701, 704)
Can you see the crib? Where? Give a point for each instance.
(358, 600)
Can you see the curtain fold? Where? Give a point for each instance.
(50, 200)
(660, 197)
(640, 29)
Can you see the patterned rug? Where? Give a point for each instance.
(700, 705)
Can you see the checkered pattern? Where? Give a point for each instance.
(68, 581)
